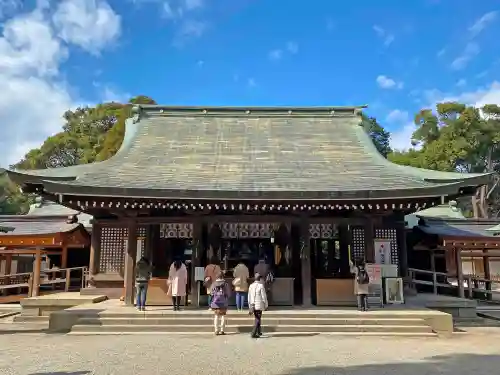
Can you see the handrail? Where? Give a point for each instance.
(51, 276)
(472, 282)
(67, 276)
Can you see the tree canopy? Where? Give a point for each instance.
(459, 138)
(451, 137)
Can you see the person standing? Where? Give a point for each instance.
(361, 284)
(240, 283)
(219, 302)
(257, 302)
(142, 277)
(264, 270)
(211, 272)
(177, 279)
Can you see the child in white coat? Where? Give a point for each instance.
(257, 301)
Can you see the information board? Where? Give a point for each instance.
(374, 273)
(199, 274)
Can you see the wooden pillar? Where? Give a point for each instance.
(196, 258)
(305, 262)
(37, 265)
(130, 262)
(402, 249)
(8, 264)
(460, 274)
(64, 256)
(487, 274)
(433, 269)
(369, 243)
(95, 249)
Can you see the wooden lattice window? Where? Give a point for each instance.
(176, 230)
(389, 234)
(249, 230)
(113, 240)
(324, 231)
(113, 246)
(358, 242)
(141, 242)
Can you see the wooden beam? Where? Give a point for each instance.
(305, 262)
(36, 273)
(28, 252)
(45, 240)
(369, 241)
(460, 274)
(130, 261)
(64, 256)
(8, 264)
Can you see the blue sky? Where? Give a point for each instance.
(395, 56)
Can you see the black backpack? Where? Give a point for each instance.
(363, 277)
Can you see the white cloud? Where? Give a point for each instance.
(386, 37)
(292, 47)
(461, 82)
(470, 51)
(275, 54)
(401, 138)
(7, 7)
(34, 96)
(178, 8)
(397, 115)
(108, 93)
(388, 83)
(89, 24)
(481, 23)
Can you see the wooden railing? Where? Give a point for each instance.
(74, 277)
(70, 278)
(474, 285)
(17, 280)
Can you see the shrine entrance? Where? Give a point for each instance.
(233, 242)
(332, 282)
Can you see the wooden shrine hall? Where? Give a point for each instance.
(459, 248)
(302, 187)
(29, 242)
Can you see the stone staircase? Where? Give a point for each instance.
(274, 322)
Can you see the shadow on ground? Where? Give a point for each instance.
(62, 373)
(460, 364)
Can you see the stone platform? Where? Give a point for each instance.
(113, 317)
(459, 308)
(40, 308)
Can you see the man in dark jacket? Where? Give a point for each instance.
(142, 277)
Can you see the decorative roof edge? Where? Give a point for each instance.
(152, 110)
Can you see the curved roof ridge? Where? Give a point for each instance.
(324, 156)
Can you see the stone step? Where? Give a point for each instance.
(275, 334)
(267, 314)
(237, 320)
(31, 319)
(247, 328)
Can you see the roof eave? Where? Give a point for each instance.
(59, 187)
(26, 178)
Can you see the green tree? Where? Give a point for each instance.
(12, 201)
(459, 138)
(380, 137)
(114, 137)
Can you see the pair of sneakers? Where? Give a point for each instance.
(220, 333)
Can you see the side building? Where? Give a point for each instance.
(304, 188)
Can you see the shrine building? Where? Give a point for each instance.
(302, 187)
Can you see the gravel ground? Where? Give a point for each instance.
(37, 353)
